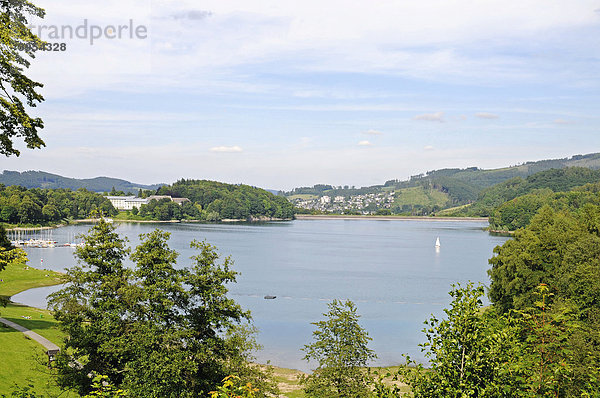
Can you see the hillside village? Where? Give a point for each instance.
(365, 203)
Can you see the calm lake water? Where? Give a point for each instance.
(390, 269)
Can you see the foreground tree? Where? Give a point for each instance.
(561, 250)
(156, 330)
(341, 349)
(17, 91)
(466, 351)
(477, 352)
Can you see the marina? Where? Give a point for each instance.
(41, 238)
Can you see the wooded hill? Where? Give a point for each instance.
(41, 179)
(542, 183)
(446, 188)
(218, 200)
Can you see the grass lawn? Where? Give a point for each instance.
(23, 360)
(452, 209)
(19, 277)
(127, 216)
(419, 196)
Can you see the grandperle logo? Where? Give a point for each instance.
(90, 32)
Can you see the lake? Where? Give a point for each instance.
(390, 269)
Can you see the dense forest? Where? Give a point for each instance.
(518, 212)
(165, 209)
(553, 180)
(216, 200)
(20, 205)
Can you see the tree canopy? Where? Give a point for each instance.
(29, 206)
(18, 93)
(227, 201)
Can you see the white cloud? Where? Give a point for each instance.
(193, 15)
(486, 115)
(364, 143)
(429, 148)
(431, 117)
(563, 121)
(226, 149)
(372, 132)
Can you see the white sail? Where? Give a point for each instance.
(437, 242)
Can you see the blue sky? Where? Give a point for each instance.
(281, 94)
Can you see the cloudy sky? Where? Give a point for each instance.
(284, 93)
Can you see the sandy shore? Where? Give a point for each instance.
(388, 218)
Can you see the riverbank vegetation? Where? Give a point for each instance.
(37, 206)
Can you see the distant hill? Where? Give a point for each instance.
(518, 212)
(542, 184)
(41, 179)
(432, 191)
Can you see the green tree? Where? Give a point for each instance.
(558, 248)
(29, 210)
(340, 348)
(17, 91)
(155, 330)
(545, 364)
(93, 310)
(50, 212)
(467, 351)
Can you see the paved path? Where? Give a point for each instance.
(48, 345)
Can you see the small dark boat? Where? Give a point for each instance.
(269, 297)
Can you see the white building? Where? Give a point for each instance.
(126, 202)
(129, 202)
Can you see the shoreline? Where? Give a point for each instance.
(258, 220)
(387, 218)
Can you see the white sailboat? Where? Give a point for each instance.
(437, 242)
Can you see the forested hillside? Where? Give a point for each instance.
(41, 179)
(518, 212)
(19, 205)
(554, 180)
(218, 200)
(436, 190)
